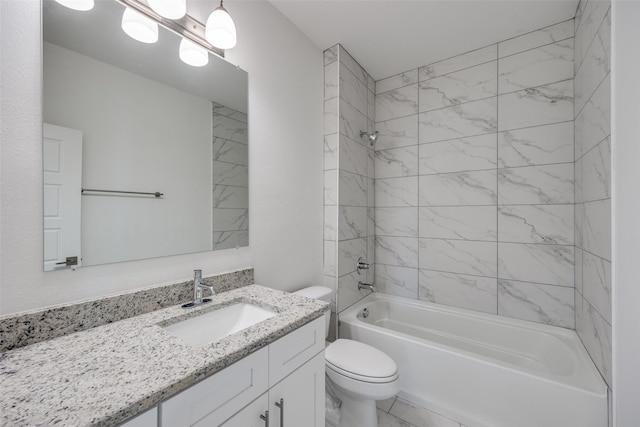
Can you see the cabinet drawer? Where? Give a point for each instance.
(215, 399)
(291, 351)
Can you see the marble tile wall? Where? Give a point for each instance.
(230, 178)
(592, 111)
(474, 179)
(349, 180)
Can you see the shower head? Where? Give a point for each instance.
(370, 136)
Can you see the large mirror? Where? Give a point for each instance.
(144, 155)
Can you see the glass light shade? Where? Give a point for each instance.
(82, 5)
(192, 54)
(139, 27)
(170, 9)
(220, 30)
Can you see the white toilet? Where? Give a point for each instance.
(357, 373)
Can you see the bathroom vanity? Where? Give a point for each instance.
(135, 372)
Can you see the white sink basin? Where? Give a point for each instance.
(211, 326)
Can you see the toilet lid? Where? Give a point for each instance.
(360, 361)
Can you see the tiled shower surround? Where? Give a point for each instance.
(348, 177)
(230, 178)
(474, 179)
(593, 181)
(492, 179)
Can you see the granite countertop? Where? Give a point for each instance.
(106, 375)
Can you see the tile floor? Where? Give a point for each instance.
(396, 412)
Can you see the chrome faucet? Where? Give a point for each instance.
(366, 287)
(198, 286)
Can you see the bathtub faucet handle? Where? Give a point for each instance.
(362, 265)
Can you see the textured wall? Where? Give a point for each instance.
(593, 181)
(474, 179)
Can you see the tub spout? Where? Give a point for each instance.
(367, 287)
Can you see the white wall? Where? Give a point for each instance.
(163, 143)
(626, 211)
(285, 167)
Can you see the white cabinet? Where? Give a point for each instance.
(147, 419)
(291, 369)
(215, 399)
(298, 400)
(250, 416)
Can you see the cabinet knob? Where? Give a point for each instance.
(265, 418)
(281, 406)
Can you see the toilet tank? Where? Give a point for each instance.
(322, 293)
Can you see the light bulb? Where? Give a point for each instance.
(220, 30)
(192, 54)
(82, 5)
(139, 27)
(170, 9)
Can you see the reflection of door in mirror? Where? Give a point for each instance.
(62, 161)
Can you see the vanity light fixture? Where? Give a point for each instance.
(139, 27)
(220, 30)
(193, 54)
(170, 9)
(81, 5)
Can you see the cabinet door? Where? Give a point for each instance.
(302, 395)
(250, 416)
(291, 351)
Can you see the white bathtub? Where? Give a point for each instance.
(481, 369)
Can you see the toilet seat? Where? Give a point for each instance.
(360, 362)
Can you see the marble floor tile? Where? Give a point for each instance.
(386, 420)
(385, 405)
(418, 416)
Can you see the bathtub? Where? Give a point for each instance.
(480, 369)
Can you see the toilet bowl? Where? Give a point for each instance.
(357, 374)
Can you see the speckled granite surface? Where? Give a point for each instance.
(40, 325)
(105, 375)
